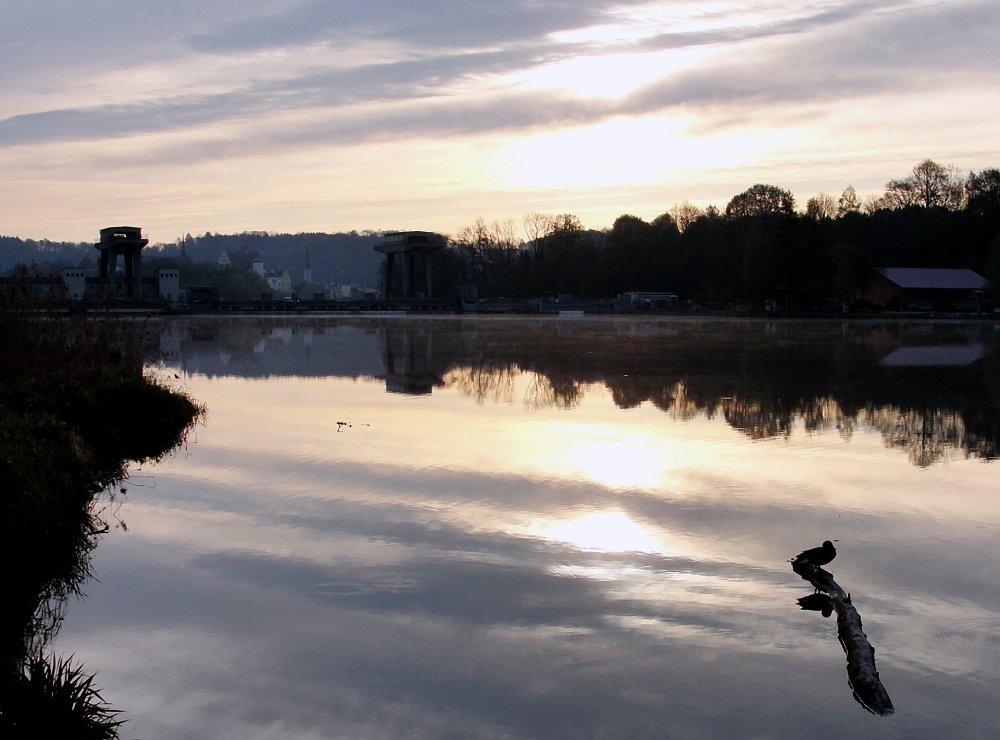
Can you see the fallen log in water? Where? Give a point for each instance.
(861, 672)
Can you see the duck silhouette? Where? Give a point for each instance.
(816, 556)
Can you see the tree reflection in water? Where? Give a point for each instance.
(939, 396)
(758, 408)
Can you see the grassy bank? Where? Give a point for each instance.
(76, 409)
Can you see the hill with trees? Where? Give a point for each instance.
(345, 258)
(760, 246)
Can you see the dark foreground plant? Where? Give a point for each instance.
(53, 697)
(75, 410)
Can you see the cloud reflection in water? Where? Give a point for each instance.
(444, 568)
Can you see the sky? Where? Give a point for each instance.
(336, 115)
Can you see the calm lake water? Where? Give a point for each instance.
(556, 528)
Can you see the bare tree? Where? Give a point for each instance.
(490, 251)
(685, 213)
(821, 206)
(900, 193)
(872, 203)
(930, 185)
(938, 185)
(849, 201)
(537, 226)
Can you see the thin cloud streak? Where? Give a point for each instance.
(409, 80)
(223, 80)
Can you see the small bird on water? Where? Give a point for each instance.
(817, 555)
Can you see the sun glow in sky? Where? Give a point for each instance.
(297, 116)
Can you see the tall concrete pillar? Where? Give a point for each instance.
(128, 242)
(408, 246)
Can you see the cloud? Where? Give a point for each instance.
(278, 81)
(444, 88)
(483, 631)
(428, 27)
(837, 63)
(250, 644)
(411, 81)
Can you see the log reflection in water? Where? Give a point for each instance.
(862, 675)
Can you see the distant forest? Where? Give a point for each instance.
(343, 258)
(760, 246)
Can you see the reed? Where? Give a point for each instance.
(55, 697)
(76, 409)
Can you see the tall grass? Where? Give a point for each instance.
(46, 348)
(75, 409)
(56, 698)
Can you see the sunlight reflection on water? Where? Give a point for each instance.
(553, 552)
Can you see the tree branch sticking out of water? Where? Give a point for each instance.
(862, 675)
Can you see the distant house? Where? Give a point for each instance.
(224, 261)
(203, 294)
(169, 285)
(924, 288)
(645, 301)
(75, 280)
(280, 283)
(943, 355)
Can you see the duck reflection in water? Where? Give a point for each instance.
(817, 602)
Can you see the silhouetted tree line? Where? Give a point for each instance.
(758, 247)
(39, 257)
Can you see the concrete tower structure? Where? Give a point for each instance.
(128, 242)
(409, 247)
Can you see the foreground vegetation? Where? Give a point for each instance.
(75, 409)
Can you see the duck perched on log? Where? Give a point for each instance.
(862, 675)
(816, 555)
